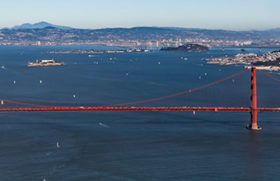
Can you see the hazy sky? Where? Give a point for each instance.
(213, 14)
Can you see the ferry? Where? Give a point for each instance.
(44, 63)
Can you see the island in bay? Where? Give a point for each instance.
(187, 48)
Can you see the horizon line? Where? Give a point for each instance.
(140, 26)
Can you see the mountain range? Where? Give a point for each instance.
(39, 25)
(44, 33)
(43, 24)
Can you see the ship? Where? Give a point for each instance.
(44, 63)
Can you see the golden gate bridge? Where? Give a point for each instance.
(253, 109)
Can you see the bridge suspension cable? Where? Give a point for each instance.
(23, 103)
(139, 102)
(253, 109)
(268, 75)
(184, 92)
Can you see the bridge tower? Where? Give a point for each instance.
(253, 102)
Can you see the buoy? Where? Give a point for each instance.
(41, 81)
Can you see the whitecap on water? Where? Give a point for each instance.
(103, 125)
(57, 145)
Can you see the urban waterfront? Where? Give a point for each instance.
(133, 145)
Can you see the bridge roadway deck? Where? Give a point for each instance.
(110, 108)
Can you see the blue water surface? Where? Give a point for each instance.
(132, 146)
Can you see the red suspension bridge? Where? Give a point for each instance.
(253, 109)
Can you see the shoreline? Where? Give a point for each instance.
(269, 61)
(99, 51)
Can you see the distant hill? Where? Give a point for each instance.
(44, 33)
(39, 25)
(275, 30)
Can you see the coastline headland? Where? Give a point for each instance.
(268, 61)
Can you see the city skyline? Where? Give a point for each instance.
(93, 14)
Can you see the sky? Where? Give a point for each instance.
(94, 14)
